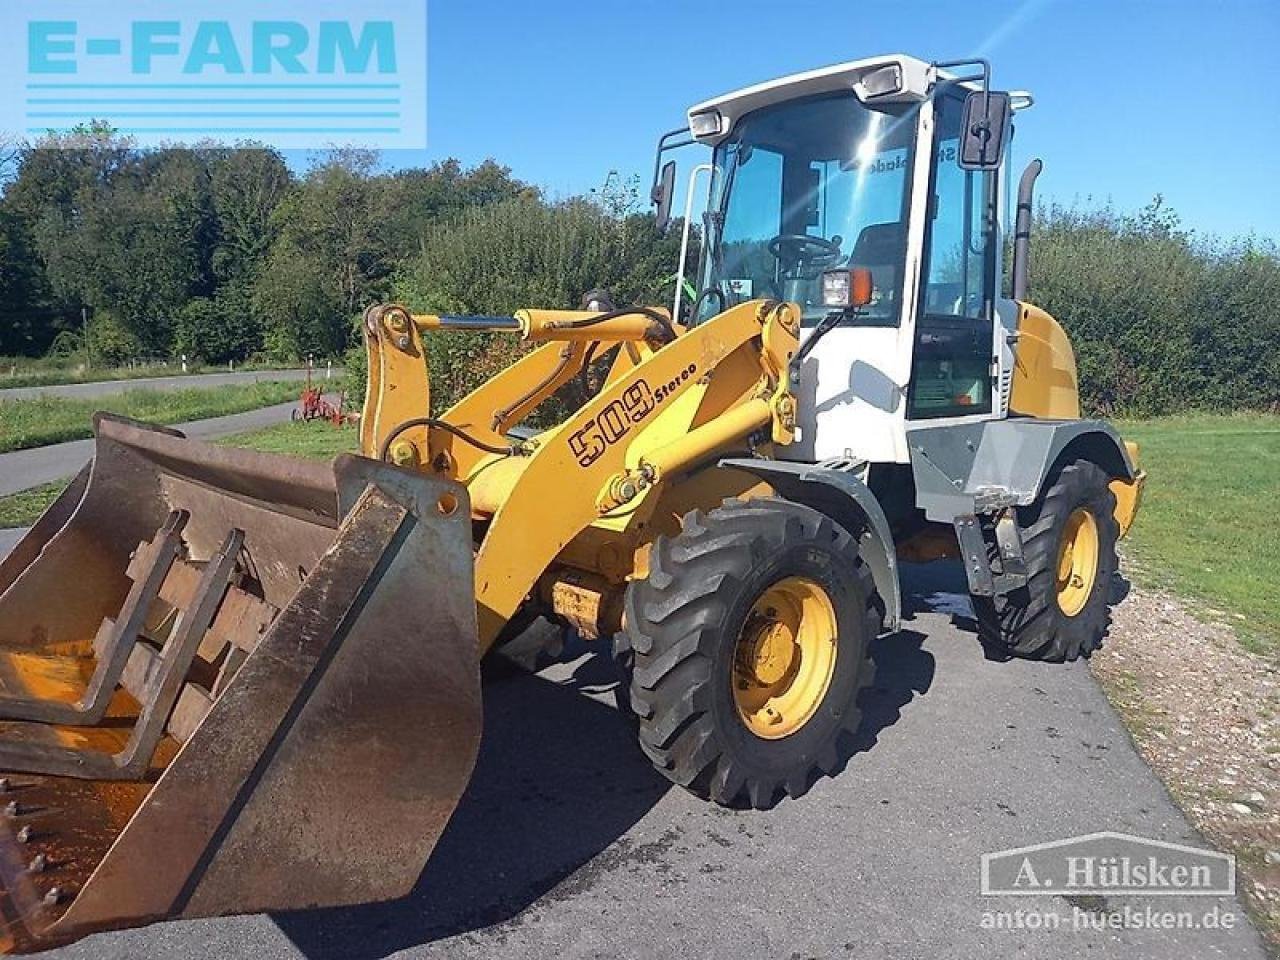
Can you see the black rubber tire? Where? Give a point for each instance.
(1028, 622)
(682, 626)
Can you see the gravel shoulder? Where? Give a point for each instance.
(1204, 712)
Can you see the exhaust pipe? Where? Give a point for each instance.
(1022, 228)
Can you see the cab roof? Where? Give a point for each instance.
(918, 77)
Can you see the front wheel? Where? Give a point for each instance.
(750, 641)
(1069, 543)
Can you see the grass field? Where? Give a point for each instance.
(1208, 528)
(21, 509)
(35, 423)
(318, 439)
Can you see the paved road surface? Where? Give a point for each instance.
(107, 387)
(22, 469)
(569, 845)
(8, 538)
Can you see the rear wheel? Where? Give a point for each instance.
(1069, 541)
(749, 643)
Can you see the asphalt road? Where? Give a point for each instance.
(22, 469)
(8, 538)
(569, 845)
(106, 388)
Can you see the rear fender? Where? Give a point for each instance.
(976, 468)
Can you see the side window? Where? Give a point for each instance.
(952, 363)
(955, 285)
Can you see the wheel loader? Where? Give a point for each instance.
(234, 682)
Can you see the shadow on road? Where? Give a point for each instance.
(941, 587)
(904, 670)
(558, 780)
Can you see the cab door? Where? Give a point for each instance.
(954, 365)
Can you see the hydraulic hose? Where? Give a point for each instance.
(385, 447)
(656, 316)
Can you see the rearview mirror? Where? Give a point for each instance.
(662, 192)
(986, 118)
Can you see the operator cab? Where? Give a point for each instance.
(849, 166)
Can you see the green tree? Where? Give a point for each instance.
(411, 201)
(26, 314)
(1122, 287)
(526, 253)
(119, 230)
(248, 185)
(329, 260)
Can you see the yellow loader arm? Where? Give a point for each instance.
(619, 445)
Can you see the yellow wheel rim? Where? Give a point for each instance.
(785, 658)
(1077, 561)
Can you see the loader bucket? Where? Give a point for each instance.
(229, 682)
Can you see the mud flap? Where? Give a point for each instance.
(307, 641)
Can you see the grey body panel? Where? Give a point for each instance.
(843, 497)
(974, 468)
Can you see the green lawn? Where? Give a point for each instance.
(45, 420)
(318, 439)
(21, 509)
(1209, 527)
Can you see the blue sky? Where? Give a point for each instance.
(1133, 98)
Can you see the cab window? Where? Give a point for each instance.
(952, 363)
(807, 186)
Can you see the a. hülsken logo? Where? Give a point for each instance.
(1108, 863)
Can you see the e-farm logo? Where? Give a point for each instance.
(327, 73)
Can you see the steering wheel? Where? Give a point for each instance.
(797, 250)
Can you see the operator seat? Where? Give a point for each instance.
(879, 248)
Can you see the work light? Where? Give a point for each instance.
(705, 124)
(883, 82)
(842, 289)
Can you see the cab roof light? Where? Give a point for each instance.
(884, 81)
(705, 124)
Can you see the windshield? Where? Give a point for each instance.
(808, 186)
